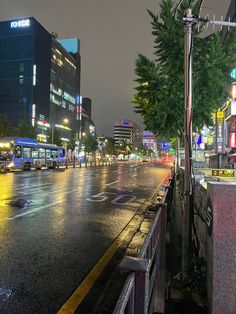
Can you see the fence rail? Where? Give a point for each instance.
(144, 289)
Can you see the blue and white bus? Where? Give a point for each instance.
(26, 153)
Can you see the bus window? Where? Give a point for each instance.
(26, 152)
(48, 153)
(61, 152)
(17, 151)
(35, 152)
(54, 153)
(41, 152)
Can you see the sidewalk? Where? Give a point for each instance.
(175, 304)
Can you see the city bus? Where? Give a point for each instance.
(27, 153)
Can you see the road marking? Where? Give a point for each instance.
(38, 208)
(80, 293)
(111, 183)
(32, 186)
(32, 211)
(135, 175)
(100, 197)
(38, 190)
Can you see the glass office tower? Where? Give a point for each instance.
(39, 78)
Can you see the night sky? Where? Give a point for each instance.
(111, 33)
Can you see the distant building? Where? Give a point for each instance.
(87, 106)
(150, 141)
(87, 124)
(126, 131)
(39, 78)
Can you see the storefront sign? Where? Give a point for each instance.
(219, 132)
(222, 173)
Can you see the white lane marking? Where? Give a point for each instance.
(135, 175)
(100, 197)
(33, 211)
(38, 208)
(32, 186)
(38, 190)
(111, 183)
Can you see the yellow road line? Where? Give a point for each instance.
(80, 293)
(77, 297)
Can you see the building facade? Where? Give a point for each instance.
(150, 141)
(39, 78)
(127, 132)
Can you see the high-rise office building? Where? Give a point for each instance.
(39, 78)
(87, 106)
(126, 131)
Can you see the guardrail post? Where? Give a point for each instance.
(159, 292)
(141, 269)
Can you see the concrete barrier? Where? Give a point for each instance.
(221, 247)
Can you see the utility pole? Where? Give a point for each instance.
(188, 210)
(189, 22)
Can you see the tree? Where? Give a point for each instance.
(5, 127)
(89, 143)
(159, 96)
(56, 138)
(72, 143)
(25, 129)
(109, 147)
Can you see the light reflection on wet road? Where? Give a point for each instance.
(70, 219)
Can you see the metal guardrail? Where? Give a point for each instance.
(144, 289)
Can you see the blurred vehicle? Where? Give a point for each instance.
(25, 153)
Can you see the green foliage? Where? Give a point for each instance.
(56, 138)
(5, 127)
(109, 148)
(89, 142)
(159, 96)
(124, 147)
(25, 129)
(72, 143)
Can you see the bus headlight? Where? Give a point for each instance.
(10, 165)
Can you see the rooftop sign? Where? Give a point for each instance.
(20, 23)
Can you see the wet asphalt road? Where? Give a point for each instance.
(70, 219)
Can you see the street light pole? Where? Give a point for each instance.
(187, 211)
(189, 22)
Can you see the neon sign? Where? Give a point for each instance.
(20, 23)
